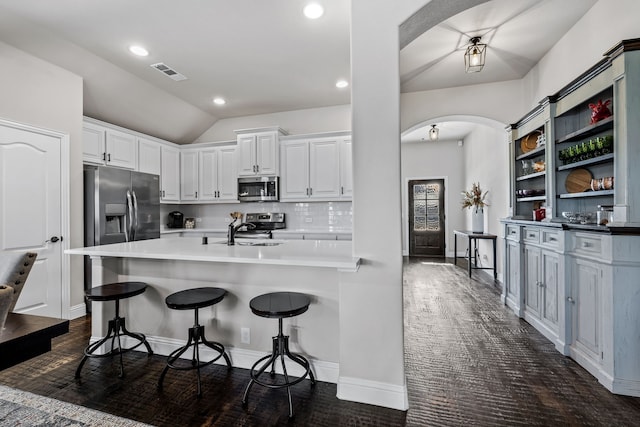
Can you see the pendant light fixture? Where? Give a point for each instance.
(474, 56)
(433, 133)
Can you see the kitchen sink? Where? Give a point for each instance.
(258, 243)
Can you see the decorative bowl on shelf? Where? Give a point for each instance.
(579, 217)
(572, 217)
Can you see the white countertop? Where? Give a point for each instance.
(281, 231)
(306, 253)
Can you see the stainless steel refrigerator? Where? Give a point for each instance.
(119, 206)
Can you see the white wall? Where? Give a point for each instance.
(440, 159)
(487, 162)
(312, 120)
(37, 93)
(602, 27)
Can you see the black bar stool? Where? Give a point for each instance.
(194, 299)
(115, 292)
(278, 305)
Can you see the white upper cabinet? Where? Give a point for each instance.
(170, 174)
(346, 169)
(189, 175)
(209, 175)
(324, 169)
(227, 174)
(110, 147)
(93, 143)
(315, 168)
(258, 152)
(294, 181)
(149, 156)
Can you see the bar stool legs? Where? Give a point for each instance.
(196, 337)
(280, 350)
(116, 329)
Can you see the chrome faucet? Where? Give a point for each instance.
(231, 234)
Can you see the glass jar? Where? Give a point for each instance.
(604, 214)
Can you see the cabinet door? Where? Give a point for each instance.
(324, 169)
(549, 287)
(189, 175)
(346, 170)
(149, 156)
(93, 139)
(227, 174)
(586, 311)
(121, 149)
(208, 174)
(170, 174)
(267, 154)
(246, 155)
(532, 280)
(294, 181)
(512, 272)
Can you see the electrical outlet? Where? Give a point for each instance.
(484, 257)
(198, 219)
(308, 219)
(245, 335)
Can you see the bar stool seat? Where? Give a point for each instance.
(116, 326)
(194, 299)
(279, 305)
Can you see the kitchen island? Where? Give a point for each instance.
(245, 270)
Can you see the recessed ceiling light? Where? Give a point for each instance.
(342, 84)
(219, 101)
(138, 50)
(313, 11)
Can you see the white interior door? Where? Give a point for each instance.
(31, 213)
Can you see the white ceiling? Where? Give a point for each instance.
(265, 56)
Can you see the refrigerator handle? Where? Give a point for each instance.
(134, 226)
(128, 230)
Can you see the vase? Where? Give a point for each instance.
(6, 300)
(477, 220)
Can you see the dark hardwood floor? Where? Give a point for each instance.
(469, 360)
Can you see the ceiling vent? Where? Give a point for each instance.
(168, 71)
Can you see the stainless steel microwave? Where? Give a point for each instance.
(258, 189)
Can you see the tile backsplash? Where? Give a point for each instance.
(326, 216)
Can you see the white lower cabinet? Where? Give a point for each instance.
(580, 289)
(586, 306)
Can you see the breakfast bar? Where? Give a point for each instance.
(244, 270)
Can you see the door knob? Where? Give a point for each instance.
(53, 239)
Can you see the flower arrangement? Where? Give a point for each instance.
(475, 197)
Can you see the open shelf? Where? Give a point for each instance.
(587, 194)
(535, 152)
(531, 199)
(593, 161)
(587, 131)
(530, 176)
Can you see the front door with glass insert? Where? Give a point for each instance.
(426, 218)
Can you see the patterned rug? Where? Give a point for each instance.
(21, 408)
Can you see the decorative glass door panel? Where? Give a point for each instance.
(426, 218)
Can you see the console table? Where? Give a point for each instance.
(26, 336)
(474, 237)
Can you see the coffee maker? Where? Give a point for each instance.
(176, 220)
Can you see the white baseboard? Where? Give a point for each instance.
(77, 311)
(373, 393)
(240, 358)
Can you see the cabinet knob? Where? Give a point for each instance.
(571, 300)
(552, 239)
(104, 157)
(586, 244)
(109, 157)
(162, 193)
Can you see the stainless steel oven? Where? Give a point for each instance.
(258, 189)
